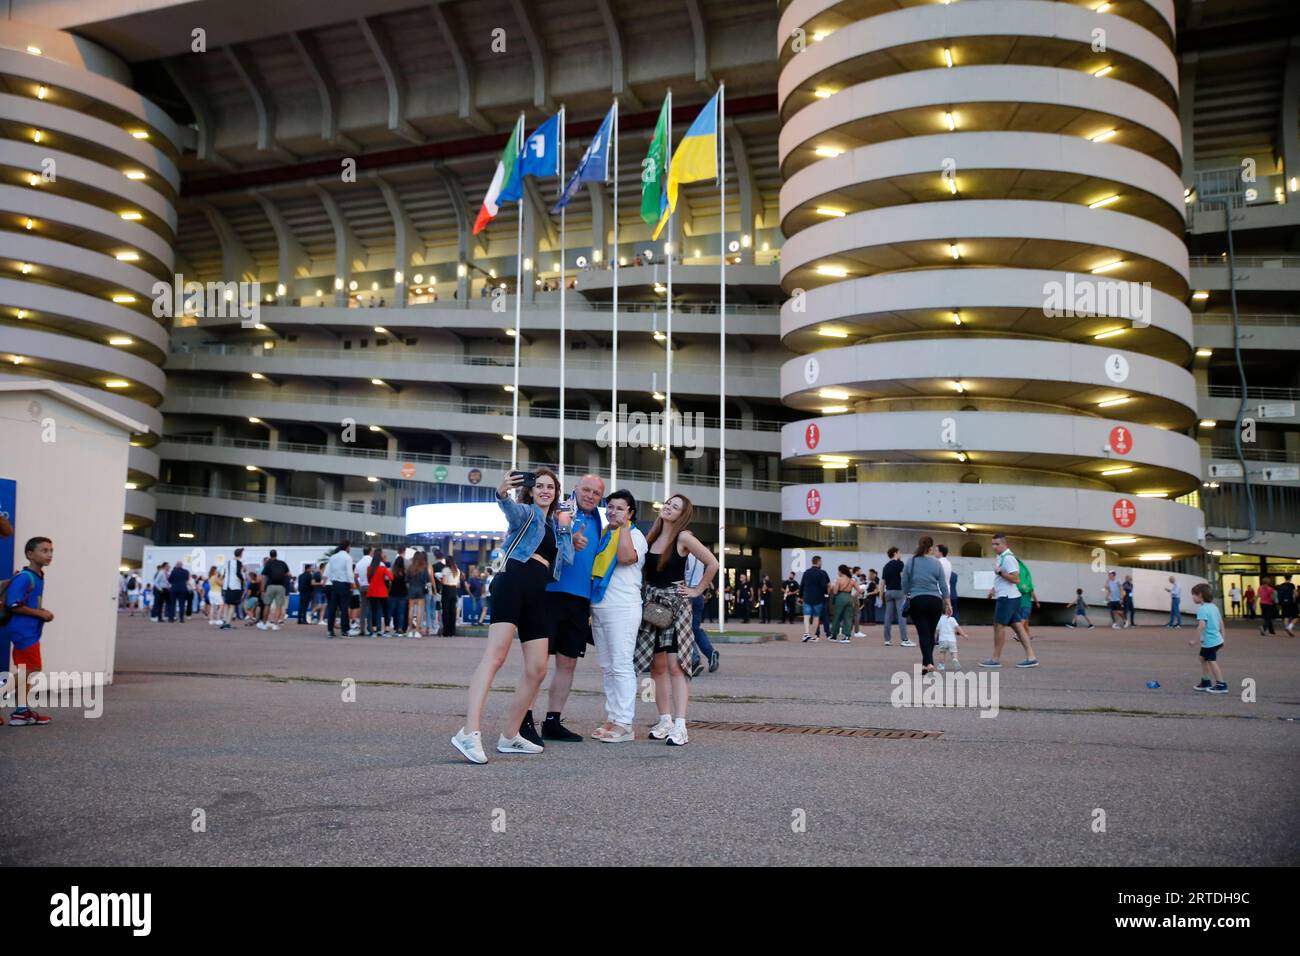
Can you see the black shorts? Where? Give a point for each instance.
(1115, 605)
(231, 596)
(1287, 609)
(1211, 653)
(519, 597)
(571, 622)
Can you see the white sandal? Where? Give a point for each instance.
(617, 736)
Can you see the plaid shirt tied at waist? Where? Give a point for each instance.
(651, 639)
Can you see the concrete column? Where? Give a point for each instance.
(462, 284)
(599, 228)
(1186, 102)
(527, 287)
(273, 437)
(1290, 122)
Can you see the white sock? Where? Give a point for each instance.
(665, 718)
(679, 723)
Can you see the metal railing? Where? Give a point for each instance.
(462, 461)
(1286, 319)
(399, 403)
(1256, 454)
(1245, 262)
(572, 304)
(1255, 391)
(405, 354)
(257, 497)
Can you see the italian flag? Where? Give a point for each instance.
(505, 166)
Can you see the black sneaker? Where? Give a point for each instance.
(528, 730)
(697, 670)
(554, 730)
(713, 662)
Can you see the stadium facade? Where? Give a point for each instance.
(978, 266)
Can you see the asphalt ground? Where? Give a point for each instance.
(248, 732)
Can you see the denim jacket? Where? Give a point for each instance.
(516, 515)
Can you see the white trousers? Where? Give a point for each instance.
(614, 631)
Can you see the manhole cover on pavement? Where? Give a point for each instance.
(821, 731)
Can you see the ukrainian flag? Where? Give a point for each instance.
(696, 157)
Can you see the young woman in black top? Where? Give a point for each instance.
(666, 652)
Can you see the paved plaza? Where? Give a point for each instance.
(250, 728)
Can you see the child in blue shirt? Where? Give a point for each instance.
(24, 599)
(1209, 628)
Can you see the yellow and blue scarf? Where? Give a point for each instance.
(602, 569)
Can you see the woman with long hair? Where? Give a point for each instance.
(214, 596)
(539, 541)
(397, 593)
(449, 581)
(666, 651)
(417, 576)
(925, 586)
(841, 629)
(379, 577)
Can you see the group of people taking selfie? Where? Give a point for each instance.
(568, 579)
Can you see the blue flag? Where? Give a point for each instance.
(539, 157)
(594, 165)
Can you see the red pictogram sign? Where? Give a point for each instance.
(814, 501)
(408, 470)
(812, 435)
(1124, 512)
(1121, 440)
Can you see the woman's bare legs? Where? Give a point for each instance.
(659, 674)
(680, 685)
(536, 657)
(499, 639)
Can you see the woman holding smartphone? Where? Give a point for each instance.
(538, 542)
(666, 651)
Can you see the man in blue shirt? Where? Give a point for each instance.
(570, 611)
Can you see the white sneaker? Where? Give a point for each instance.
(261, 626)
(517, 745)
(662, 729)
(858, 634)
(906, 644)
(678, 737)
(1115, 627)
(273, 627)
(470, 745)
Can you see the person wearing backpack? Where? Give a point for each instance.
(132, 593)
(22, 619)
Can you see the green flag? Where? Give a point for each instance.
(654, 169)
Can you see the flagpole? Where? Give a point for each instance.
(519, 299)
(613, 447)
(562, 144)
(722, 359)
(668, 394)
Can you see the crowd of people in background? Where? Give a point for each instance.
(384, 594)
